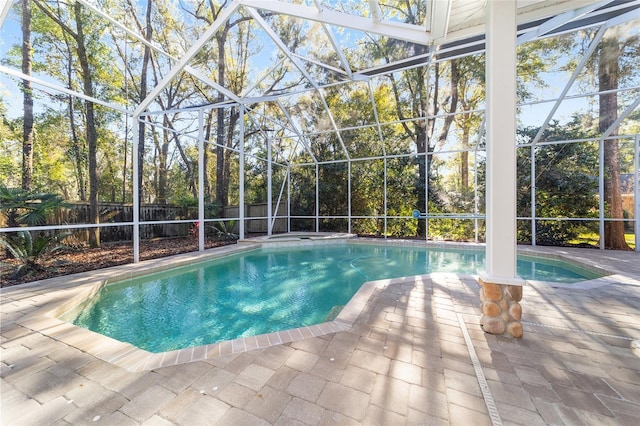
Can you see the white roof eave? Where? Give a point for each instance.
(407, 32)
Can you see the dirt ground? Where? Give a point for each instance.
(85, 259)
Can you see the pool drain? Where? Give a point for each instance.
(482, 381)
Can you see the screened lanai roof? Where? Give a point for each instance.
(288, 78)
(333, 29)
(284, 85)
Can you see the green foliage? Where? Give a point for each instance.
(534, 59)
(10, 147)
(185, 200)
(369, 226)
(333, 189)
(367, 188)
(30, 251)
(402, 228)
(21, 207)
(223, 231)
(303, 198)
(566, 184)
(564, 179)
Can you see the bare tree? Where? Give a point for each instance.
(146, 59)
(91, 133)
(27, 93)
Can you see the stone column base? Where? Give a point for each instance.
(501, 312)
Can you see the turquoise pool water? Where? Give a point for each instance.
(267, 290)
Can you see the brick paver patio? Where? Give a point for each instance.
(407, 359)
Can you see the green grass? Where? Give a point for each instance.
(593, 239)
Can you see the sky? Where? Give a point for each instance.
(10, 35)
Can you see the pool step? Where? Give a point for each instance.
(333, 313)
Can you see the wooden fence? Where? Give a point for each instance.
(78, 213)
(258, 226)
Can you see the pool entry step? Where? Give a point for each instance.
(333, 313)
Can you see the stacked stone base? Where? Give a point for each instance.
(501, 312)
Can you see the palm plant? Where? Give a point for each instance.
(224, 230)
(21, 207)
(29, 251)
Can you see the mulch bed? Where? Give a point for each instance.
(110, 254)
(85, 259)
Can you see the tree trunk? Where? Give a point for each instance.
(91, 131)
(453, 105)
(234, 115)
(112, 171)
(163, 155)
(125, 149)
(173, 135)
(191, 175)
(424, 165)
(143, 94)
(205, 165)
(156, 166)
(424, 133)
(608, 74)
(464, 158)
(221, 191)
(27, 92)
(77, 153)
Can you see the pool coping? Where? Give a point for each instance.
(58, 295)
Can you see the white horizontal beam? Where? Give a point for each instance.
(157, 49)
(206, 80)
(558, 21)
(223, 17)
(61, 89)
(525, 14)
(407, 32)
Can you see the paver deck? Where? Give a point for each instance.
(406, 359)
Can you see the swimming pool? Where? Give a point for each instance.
(267, 290)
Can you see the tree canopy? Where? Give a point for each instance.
(357, 136)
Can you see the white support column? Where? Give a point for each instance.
(601, 205)
(275, 214)
(426, 194)
(136, 191)
(317, 198)
(534, 236)
(476, 211)
(269, 190)
(349, 192)
(241, 168)
(426, 183)
(501, 145)
(476, 197)
(201, 172)
(386, 210)
(288, 197)
(499, 281)
(636, 191)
